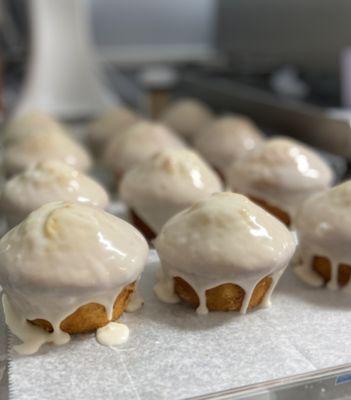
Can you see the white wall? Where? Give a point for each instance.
(132, 29)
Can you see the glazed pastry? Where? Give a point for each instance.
(165, 184)
(138, 143)
(187, 117)
(111, 124)
(280, 176)
(44, 182)
(23, 151)
(68, 268)
(227, 139)
(30, 123)
(223, 254)
(324, 233)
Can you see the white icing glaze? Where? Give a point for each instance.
(282, 172)
(323, 225)
(135, 302)
(112, 334)
(48, 181)
(62, 256)
(30, 123)
(187, 117)
(224, 239)
(109, 125)
(32, 336)
(138, 143)
(167, 183)
(227, 139)
(23, 151)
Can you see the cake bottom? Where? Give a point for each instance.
(282, 215)
(226, 297)
(90, 317)
(142, 226)
(322, 266)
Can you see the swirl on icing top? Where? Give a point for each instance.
(138, 143)
(187, 116)
(323, 227)
(226, 139)
(45, 182)
(283, 172)
(167, 183)
(26, 150)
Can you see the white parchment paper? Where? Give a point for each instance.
(173, 353)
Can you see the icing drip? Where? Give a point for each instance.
(61, 257)
(33, 337)
(135, 302)
(323, 224)
(164, 288)
(112, 334)
(224, 239)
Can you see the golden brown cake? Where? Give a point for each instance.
(224, 253)
(323, 228)
(67, 268)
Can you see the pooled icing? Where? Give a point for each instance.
(25, 150)
(138, 143)
(227, 139)
(112, 123)
(323, 226)
(187, 117)
(167, 183)
(224, 239)
(48, 181)
(282, 172)
(112, 334)
(63, 256)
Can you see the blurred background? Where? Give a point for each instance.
(285, 64)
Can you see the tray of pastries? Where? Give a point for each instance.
(169, 258)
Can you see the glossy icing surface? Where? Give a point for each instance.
(167, 183)
(22, 151)
(323, 226)
(187, 117)
(224, 239)
(227, 139)
(45, 182)
(282, 172)
(62, 256)
(138, 143)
